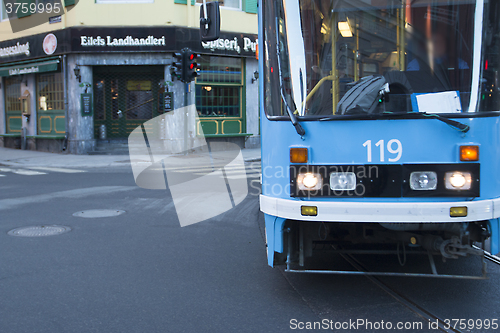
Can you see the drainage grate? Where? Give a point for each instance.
(97, 213)
(39, 231)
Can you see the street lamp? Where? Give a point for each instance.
(255, 76)
(77, 73)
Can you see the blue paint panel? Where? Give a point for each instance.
(494, 226)
(274, 231)
(424, 141)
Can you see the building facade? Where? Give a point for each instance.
(101, 68)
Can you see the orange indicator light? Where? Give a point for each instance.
(298, 155)
(469, 153)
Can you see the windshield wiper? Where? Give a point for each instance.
(293, 118)
(458, 125)
(300, 130)
(410, 115)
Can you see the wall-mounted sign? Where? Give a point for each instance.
(167, 102)
(55, 19)
(49, 44)
(86, 105)
(133, 85)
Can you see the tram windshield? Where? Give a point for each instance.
(326, 58)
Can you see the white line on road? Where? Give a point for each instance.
(62, 170)
(28, 172)
(70, 194)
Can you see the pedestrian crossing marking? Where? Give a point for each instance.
(61, 170)
(36, 171)
(28, 172)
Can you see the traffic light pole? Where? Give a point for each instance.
(186, 118)
(185, 69)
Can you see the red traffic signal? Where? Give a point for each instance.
(192, 66)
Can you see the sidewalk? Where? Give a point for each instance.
(30, 158)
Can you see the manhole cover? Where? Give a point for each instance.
(39, 231)
(96, 213)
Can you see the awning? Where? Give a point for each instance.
(25, 67)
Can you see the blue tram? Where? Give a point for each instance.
(380, 127)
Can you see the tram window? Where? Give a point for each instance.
(419, 46)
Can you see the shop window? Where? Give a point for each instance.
(50, 92)
(124, 1)
(3, 12)
(236, 4)
(218, 101)
(219, 70)
(13, 93)
(13, 119)
(219, 87)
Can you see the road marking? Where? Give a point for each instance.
(70, 194)
(23, 172)
(28, 172)
(62, 170)
(2, 175)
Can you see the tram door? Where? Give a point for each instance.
(125, 97)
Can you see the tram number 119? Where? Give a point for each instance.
(390, 148)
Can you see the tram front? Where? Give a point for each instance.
(380, 127)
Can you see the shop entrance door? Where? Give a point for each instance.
(125, 97)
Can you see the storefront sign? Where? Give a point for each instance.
(127, 41)
(231, 45)
(123, 39)
(26, 70)
(35, 67)
(16, 49)
(86, 105)
(35, 46)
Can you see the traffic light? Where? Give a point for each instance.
(185, 67)
(192, 66)
(177, 68)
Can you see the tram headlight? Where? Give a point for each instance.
(423, 180)
(342, 181)
(309, 181)
(458, 180)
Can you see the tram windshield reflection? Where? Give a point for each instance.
(419, 47)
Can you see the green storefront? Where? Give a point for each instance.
(220, 96)
(49, 90)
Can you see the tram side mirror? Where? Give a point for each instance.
(209, 21)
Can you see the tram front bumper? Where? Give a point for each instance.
(412, 212)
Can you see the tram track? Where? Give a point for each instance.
(489, 256)
(402, 299)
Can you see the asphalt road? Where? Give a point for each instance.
(142, 272)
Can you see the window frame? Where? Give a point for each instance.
(112, 2)
(37, 87)
(3, 11)
(224, 7)
(240, 85)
